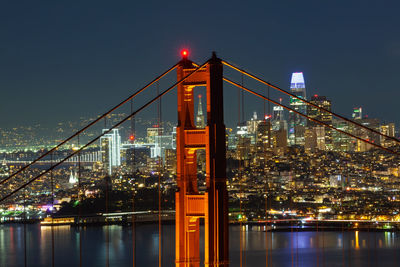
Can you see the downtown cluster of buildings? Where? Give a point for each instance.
(282, 129)
(276, 132)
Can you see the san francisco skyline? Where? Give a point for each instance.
(60, 62)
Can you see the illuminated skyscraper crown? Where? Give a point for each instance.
(297, 80)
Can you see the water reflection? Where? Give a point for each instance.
(284, 248)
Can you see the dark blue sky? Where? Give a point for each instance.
(60, 60)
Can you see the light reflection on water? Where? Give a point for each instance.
(284, 248)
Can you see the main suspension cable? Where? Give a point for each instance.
(105, 132)
(308, 102)
(309, 118)
(92, 123)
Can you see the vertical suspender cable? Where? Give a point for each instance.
(25, 218)
(79, 205)
(291, 230)
(350, 246)
(240, 181)
(269, 121)
(52, 211)
(297, 246)
(291, 196)
(375, 254)
(343, 259)
(317, 244)
(369, 256)
(266, 195)
(323, 248)
(107, 180)
(132, 138)
(107, 226)
(159, 180)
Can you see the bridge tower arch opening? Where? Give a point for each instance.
(189, 203)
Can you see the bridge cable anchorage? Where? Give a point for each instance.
(309, 118)
(98, 137)
(92, 123)
(308, 102)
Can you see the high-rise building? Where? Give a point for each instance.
(278, 114)
(315, 138)
(371, 123)
(153, 132)
(316, 113)
(278, 121)
(296, 121)
(323, 116)
(110, 145)
(357, 113)
(252, 126)
(200, 122)
(340, 141)
(389, 130)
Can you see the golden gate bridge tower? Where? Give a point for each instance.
(190, 204)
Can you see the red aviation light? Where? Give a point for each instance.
(131, 137)
(184, 53)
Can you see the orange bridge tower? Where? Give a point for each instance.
(190, 204)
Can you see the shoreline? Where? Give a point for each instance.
(250, 226)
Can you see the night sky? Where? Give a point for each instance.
(60, 60)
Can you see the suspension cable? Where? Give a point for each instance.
(308, 102)
(92, 123)
(309, 118)
(105, 132)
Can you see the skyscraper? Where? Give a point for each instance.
(357, 113)
(316, 113)
(110, 145)
(389, 130)
(278, 121)
(297, 123)
(200, 123)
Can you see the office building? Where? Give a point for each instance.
(297, 122)
(110, 145)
